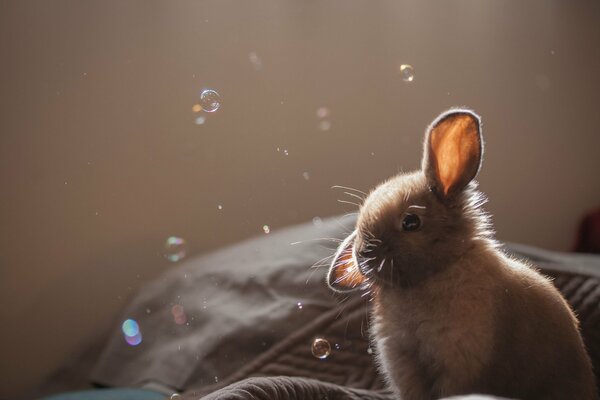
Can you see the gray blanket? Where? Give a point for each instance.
(252, 311)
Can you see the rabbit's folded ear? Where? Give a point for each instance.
(343, 274)
(453, 150)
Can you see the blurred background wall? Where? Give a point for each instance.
(102, 159)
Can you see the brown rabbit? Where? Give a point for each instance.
(453, 314)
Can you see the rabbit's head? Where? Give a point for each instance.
(416, 224)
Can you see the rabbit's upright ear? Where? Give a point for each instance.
(453, 150)
(343, 274)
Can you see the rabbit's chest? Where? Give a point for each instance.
(444, 340)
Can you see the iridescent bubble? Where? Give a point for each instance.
(130, 327)
(200, 120)
(407, 72)
(266, 228)
(324, 125)
(322, 112)
(175, 248)
(321, 348)
(255, 60)
(210, 100)
(134, 340)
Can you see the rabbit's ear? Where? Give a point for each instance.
(344, 275)
(453, 150)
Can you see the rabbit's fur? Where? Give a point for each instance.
(452, 314)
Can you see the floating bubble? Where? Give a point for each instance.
(322, 112)
(300, 305)
(285, 152)
(175, 396)
(324, 125)
(196, 108)
(175, 248)
(337, 346)
(200, 120)
(210, 100)
(266, 228)
(370, 350)
(306, 175)
(255, 60)
(130, 327)
(220, 207)
(216, 379)
(179, 315)
(407, 72)
(321, 348)
(134, 340)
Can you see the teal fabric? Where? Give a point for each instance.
(109, 394)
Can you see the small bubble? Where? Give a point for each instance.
(255, 60)
(322, 112)
(300, 305)
(321, 348)
(285, 152)
(200, 120)
(266, 228)
(196, 108)
(134, 340)
(175, 248)
(220, 207)
(324, 125)
(370, 350)
(210, 100)
(317, 221)
(337, 346)
(407, 72)
(148, 311)
(278, 149)
(216, 379)
(306, 175)
(372, 153)
(130, 327)
(175, 396)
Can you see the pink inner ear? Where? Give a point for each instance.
(346, 272)
(455, 146)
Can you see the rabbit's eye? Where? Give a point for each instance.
(411, 222)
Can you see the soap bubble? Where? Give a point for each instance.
(200, 120)
(321, 348)
(134, 340)
(266, 228)
(175, 396)
(324, 125)
(322, 112)
(300, 305)
(255, 60)
(407, 72)
(130, 327)
(175, 248)
(210, 100)
(131, 331)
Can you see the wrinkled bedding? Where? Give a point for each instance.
(253, 310)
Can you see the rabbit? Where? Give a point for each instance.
(451, 313)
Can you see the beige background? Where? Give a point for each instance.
(100, 159)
